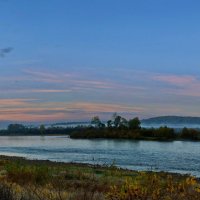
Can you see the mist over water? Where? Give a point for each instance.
(178, 156)
(179, 126)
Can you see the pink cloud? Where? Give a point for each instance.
(32, 117)
(103, 107)
(185, 85)
(175, 79)
(25, 110)
(49, 91)
(125, 89)
(15, 102)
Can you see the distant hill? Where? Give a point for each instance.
(172, 120)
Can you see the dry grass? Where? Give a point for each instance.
(42, 180)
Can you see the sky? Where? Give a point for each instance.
(70, 60)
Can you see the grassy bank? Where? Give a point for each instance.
(44, 180)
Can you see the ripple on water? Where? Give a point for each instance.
(178, 156)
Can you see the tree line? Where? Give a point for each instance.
(117, 127)
(20, 129)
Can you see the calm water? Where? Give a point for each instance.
(178, 156)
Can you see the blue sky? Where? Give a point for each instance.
(71, 60)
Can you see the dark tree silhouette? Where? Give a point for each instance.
(134, 123)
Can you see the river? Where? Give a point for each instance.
(178, 156)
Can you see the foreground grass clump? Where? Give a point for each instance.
(22, 179)
(155, 187)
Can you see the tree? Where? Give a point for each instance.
(97, 122)
(42, 129)
(16, 128)
(134, 123)
(109, 123)
(117, 121)
(123, 123)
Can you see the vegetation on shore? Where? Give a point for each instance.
(116, 128)
(22, 179)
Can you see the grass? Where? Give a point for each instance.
(22, 179)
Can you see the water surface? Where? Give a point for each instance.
(177, 156)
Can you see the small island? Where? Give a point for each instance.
(120, 128)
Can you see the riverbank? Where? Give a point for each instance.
(43, 179)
